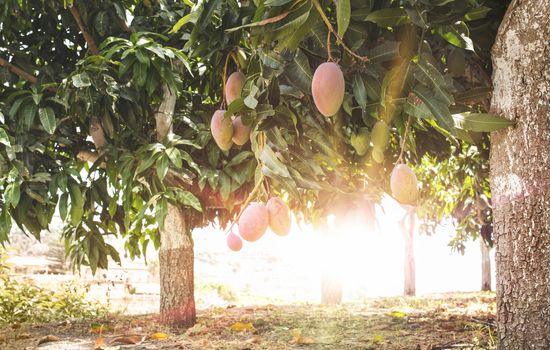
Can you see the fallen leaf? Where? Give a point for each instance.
(426, 347)
(158, 336)
(298, 338)
(398, 314)
(198, 328)
(47, 339)
(377, 339)
(99, 344)
(253, 340)
(240, 327)
(129, 339)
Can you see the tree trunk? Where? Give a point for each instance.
(485, 265)
(520, 179)
(177, 299)
(331, 288)
(331, 282)
(408, 228)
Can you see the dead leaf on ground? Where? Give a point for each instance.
(128, 339)
(241, 327)
(298, 338)
(377, 339)
(159, 336)
(47, 339)
(197, 329)
(425, 347)
(100, 344)
(253, 340)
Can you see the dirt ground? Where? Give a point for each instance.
(437, 322)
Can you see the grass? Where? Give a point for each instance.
(437, 322)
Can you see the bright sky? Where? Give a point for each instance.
(370, 263)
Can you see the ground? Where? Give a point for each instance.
(435, 322)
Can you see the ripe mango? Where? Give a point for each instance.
(361, 141)
(404, 185)
(241, 132)
(253, 222)
(222, 130)
(279, 216)
(234, 86)
(328, 87)
(234, 242)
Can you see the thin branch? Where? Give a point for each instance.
(403, 140)
(21, 73)
(89, 40)
(224, 79)
(331, 30)
(26, 76)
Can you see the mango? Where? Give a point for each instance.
(328, 87)
(380, 135)
(377, 155)
(253, 222)
(234, 86)
(234, 242)
(361, 141)
(404, 185)
(279, 216)
(241, 132)
(222, 130)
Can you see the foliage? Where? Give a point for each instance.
(23, 301)
(85, 81)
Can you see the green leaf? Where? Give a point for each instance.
(481, 122)
(77, 204)
(63, 206)
(359, 90)
(175, 157)
(474, 95)
(28, 113)
(81, 80)
(439, 109)
(299, 72)
(271, 162)
(180, 23)
(4, 139)
(186, 198)
(47, 119)
(162, 166)
(477, 13)
(13, 194)
(429, 75)
(389, 17)
(343, 15)
(388, 50)
(276, 2)
(456, 35)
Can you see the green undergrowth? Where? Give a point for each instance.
(26, 302)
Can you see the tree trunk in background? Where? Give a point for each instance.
(331, 281)
(331, 288)
(520, 176)
(407, 228)
(485, 265)
(177, 299)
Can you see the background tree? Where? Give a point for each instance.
(105, 117)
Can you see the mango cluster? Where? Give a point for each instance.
(229, 130)
(256, 218)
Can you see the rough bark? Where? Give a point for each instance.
(177, 299)
(408, 228)
(485, 265)
(520, 180)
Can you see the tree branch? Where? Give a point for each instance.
(26, 76)
(165, 112)
(89, 40)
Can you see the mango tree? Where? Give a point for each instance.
(117, 114)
